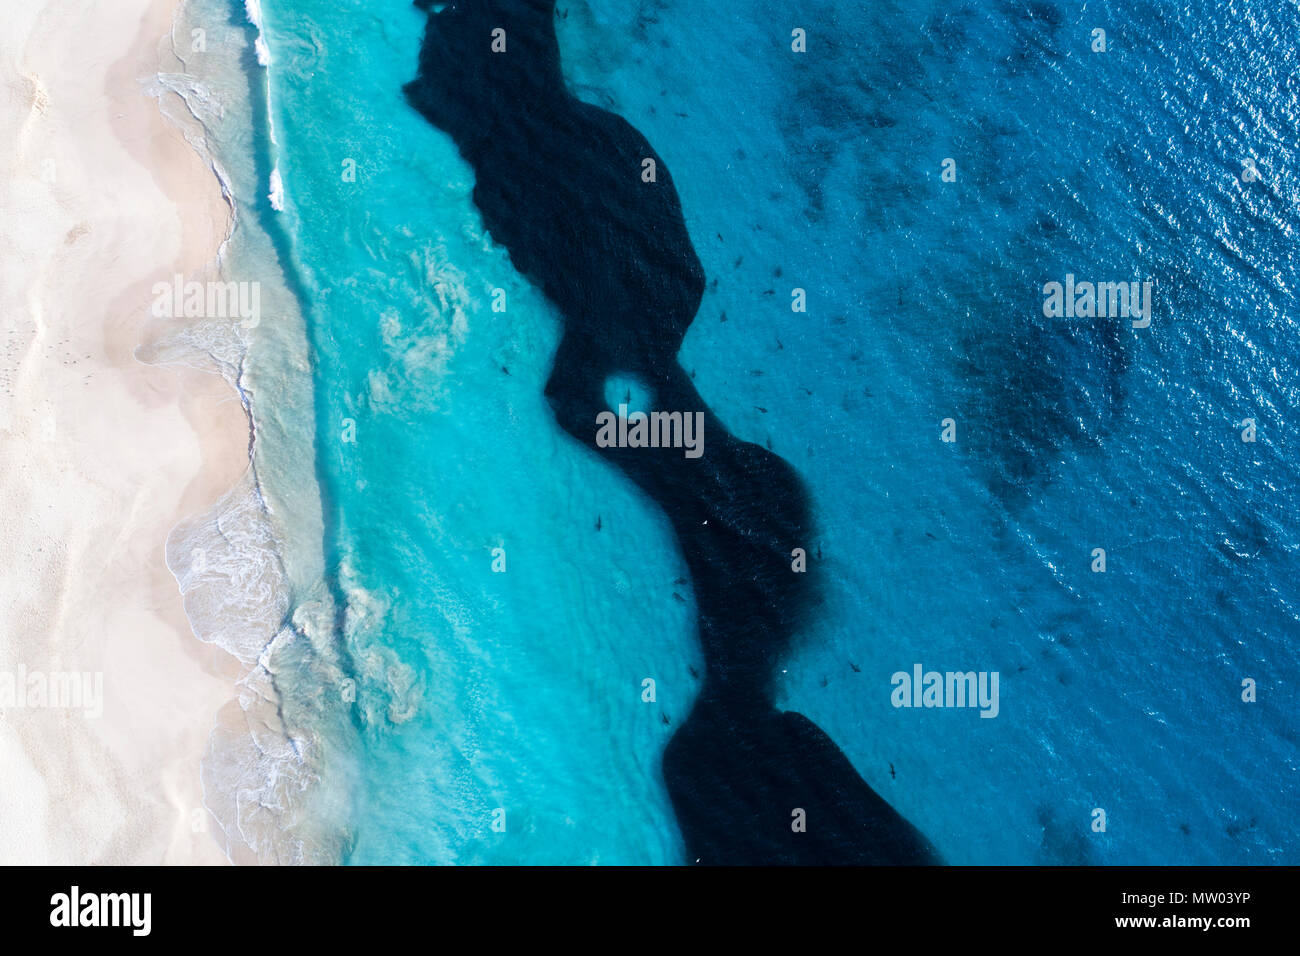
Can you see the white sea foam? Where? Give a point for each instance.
(276, 195)
(390, 687)
(229, 572)
(253, 12)
(263, 763)
(261, 769)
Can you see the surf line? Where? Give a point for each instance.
(561, 185)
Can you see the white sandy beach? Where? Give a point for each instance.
(101, 455)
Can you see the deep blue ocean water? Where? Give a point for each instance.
(522, 690)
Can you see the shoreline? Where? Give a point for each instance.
(134, 449)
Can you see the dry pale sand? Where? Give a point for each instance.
(101, 455)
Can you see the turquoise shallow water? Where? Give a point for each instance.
(521, 690)
(477, 689)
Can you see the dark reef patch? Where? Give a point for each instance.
(559, 184)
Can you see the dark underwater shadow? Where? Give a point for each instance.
(560, 184)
